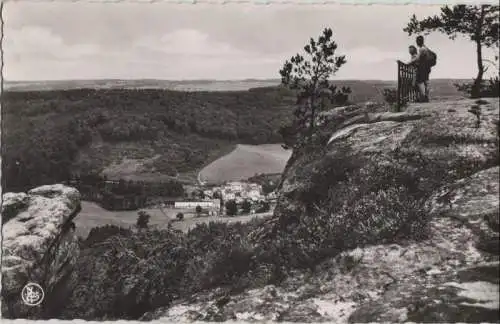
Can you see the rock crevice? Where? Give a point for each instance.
(39, 246)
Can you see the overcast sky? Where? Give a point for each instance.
(51, 41)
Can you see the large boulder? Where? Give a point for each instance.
(39, 246)
(474, 202)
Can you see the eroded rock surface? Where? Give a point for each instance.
(450, 276)
(39, 246)
(443, 279)
(442, 134)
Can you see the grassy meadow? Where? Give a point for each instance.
(244, 162)
(93, 215)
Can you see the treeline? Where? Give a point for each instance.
(38, 151)
(45, 132)
(123, 195)
(125, 114)
(233, 208)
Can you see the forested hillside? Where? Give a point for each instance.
(49, 135)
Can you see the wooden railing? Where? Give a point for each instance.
(407, 89)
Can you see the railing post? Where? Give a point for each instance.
(398, 104)
(406, 91)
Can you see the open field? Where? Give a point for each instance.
(92, 215)
(142, 170)
(245, 161)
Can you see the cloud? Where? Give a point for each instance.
(83, 40)
(190, 42)
(36, 41)
(191, 53)
(34, 52)
(37, 53)
(370, 55)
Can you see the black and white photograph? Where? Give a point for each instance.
(246, 162)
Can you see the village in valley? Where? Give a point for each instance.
(164, 202)
(228, 199)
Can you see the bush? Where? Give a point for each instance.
(246, 206)
(100, 234)
(264, 208)
(231, 207)
(143, 219)
(390, 95)
(124, 274)
(127, 274)
(370, 205)
(221, 256)
(179, 216)
(489, 88)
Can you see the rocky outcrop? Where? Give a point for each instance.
(39, 246)
(440, 142)
(458, 279)
(473, 201)
(444, 279)
(449, 275)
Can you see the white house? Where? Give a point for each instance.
(208, 204)
(254, 194)
(229, 196)
(235, 186)
(193, 204)
(272, 195)
(255, 186)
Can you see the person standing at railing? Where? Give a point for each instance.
(425, 59)
(421, 75)
(413, 53)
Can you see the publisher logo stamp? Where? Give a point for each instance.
(32, 294)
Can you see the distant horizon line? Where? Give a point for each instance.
(201, 80)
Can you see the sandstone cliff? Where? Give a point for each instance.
(39, 246)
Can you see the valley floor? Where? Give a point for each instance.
(93, 215)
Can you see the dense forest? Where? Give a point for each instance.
(50, 135)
